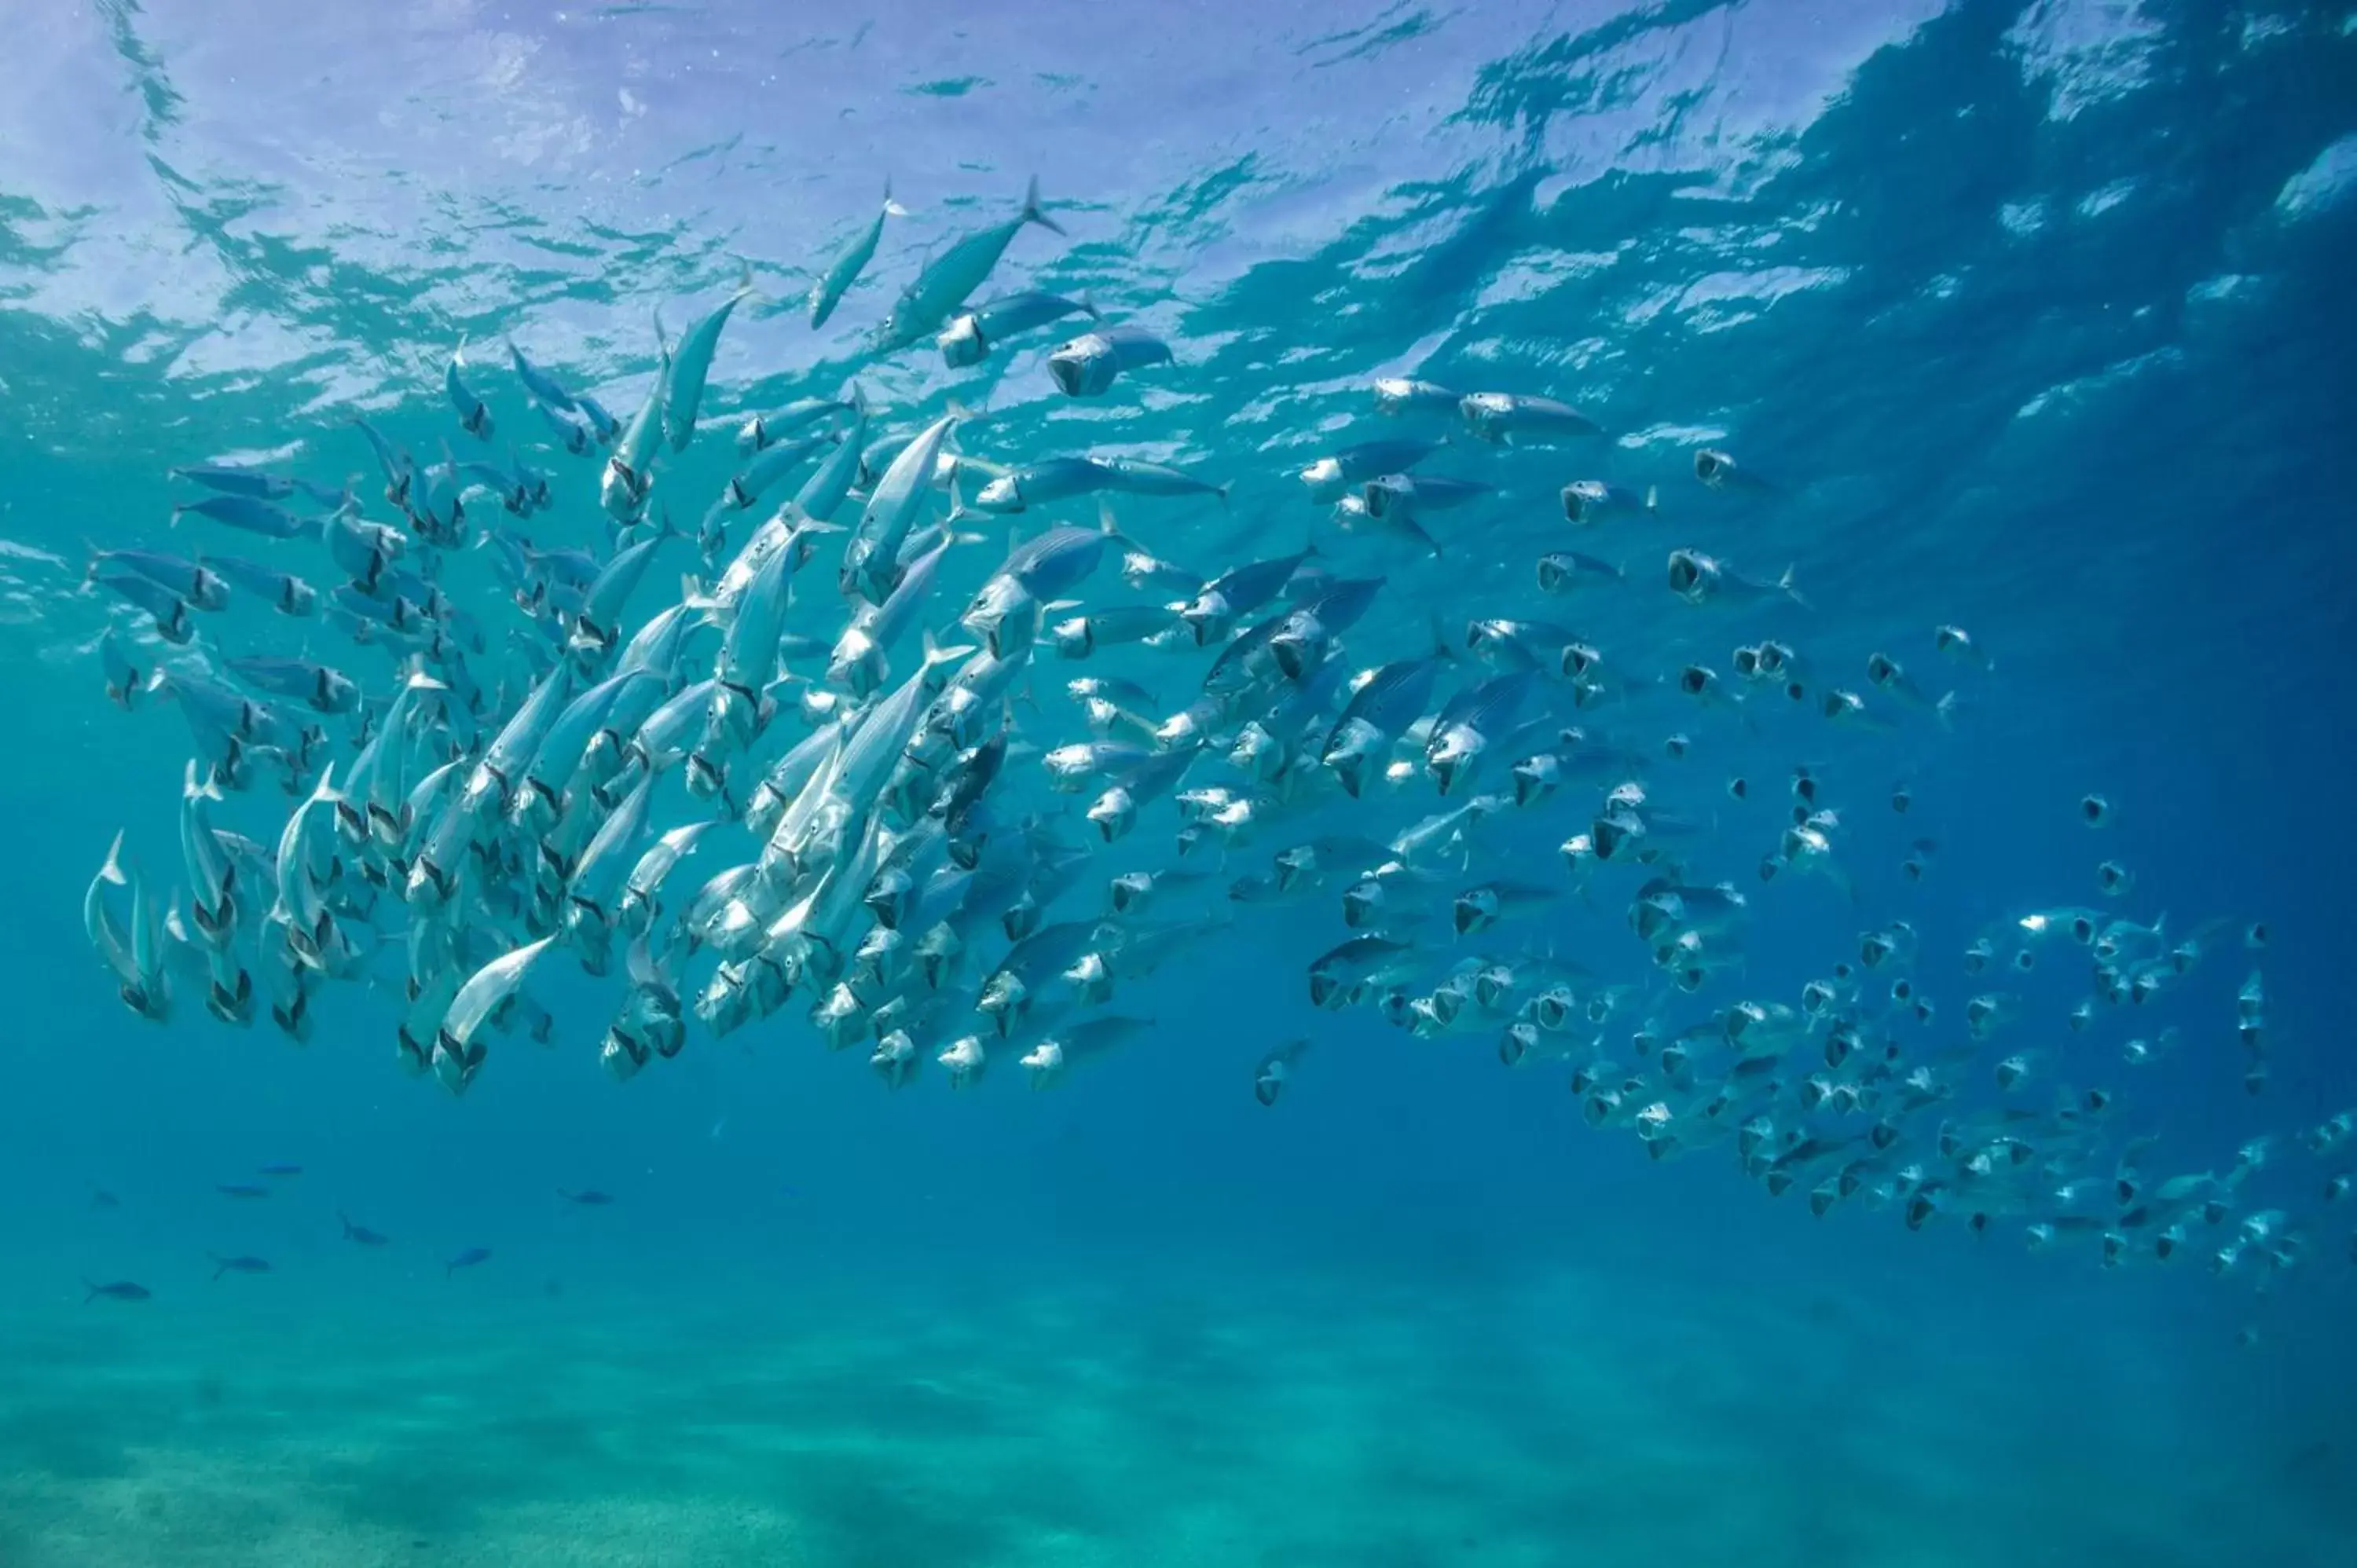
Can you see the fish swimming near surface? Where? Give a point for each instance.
(832, 284)
(540, 778)
(953, 273)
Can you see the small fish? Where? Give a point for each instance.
(1275, 1070)
(118, 1289)
(167, 611)
(1586, 503)
(360, 1235)
(1958, 644)
(201, 589)
(1505, 419)
(971, 335)
(1402, 394)
(250, 514)
(829, 290)
(231, 481)
(543, 387)
(323, 690)
(1089, 364)
(762, 430)
(587, 1198)
(1718, 470)
(466, 1259)
(1395, 498)
(127, 683)
(241, 1189)
(691, 364)
(474, 414)
(1565, 571)
(953, 273)
(1329, 478)
(1700, 579)
(279, 1169)
(282, 591)
(239, 1265)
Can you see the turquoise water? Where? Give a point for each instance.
(2038, 317)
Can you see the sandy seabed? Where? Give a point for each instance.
(1165, 1417)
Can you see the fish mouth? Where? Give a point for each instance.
(1686, 573)
(1071, 374)
(1712, 466)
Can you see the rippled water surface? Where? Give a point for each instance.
(2038, 317)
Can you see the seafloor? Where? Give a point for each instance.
(1142, 1412)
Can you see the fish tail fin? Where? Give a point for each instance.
(1221, 491)
(1652, 500)
(1089, 304)
(200, 786)
(111, 872)
(1110, 526)
(1442, 645)
(1945, 709)
(935, 653)
(891, 207)
(220, 1268)
(958, 510)
(1791, 590)
(92, 1290)
(1032, 212)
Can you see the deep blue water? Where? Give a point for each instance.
(2040, 317)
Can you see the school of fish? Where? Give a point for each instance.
(851, 761)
